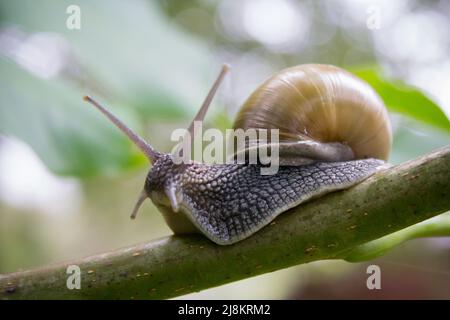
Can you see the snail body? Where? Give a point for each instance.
(334, 133)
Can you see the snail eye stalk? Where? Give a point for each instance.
(145, 147)
(205, 105)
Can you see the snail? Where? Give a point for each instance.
(334, 133)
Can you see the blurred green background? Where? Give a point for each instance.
(68, 178)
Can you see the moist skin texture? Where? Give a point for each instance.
(229, 202)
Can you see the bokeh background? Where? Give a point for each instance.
(68, 178)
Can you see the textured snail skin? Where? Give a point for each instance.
(228, 203)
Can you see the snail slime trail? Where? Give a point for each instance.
(332, 131)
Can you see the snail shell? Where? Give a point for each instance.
(323, 104)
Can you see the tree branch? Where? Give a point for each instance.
(327, 228)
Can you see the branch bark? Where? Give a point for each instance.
(327, 228)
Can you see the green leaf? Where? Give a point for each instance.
(126, 54)
(413, 138)
(405, 99)
(70, 137)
